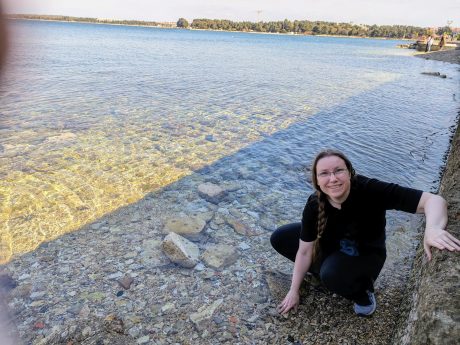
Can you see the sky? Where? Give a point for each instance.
(425, 13)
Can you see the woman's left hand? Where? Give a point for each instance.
(440, 239)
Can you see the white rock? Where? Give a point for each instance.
(180, 250)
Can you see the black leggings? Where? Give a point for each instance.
(348, 276)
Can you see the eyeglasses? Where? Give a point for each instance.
(337, 173)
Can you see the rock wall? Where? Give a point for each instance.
(433, 303)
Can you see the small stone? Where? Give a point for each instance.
(143, 340)
(84, 312)
(115, 275)
(211, 192)
(39, 325)
(130, 255)
(205, 313)
(200, 267)
(37, 295)
(126, 282)
(37, 303)
(167, 307)
(86, 331)
(244, 246)
(114, 324)
(134, 332)
(242, 228)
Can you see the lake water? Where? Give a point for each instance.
(94, 117)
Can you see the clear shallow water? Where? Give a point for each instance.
(93, 117)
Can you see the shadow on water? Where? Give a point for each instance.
(266, 186)
(389, 148)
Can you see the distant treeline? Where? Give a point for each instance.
(304, 27)
(89, 20)
(313, 28)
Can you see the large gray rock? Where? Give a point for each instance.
(180, 250)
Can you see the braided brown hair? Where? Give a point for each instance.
(322, 197)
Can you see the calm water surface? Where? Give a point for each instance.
(93, 117)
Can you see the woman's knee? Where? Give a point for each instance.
(286, 234)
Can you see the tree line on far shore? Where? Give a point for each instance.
(90, 20)
(307, 27)
(303, 27)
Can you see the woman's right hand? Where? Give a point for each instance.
(291, 301)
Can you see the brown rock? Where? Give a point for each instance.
(113, 324)
(126, 282)
(242, 228)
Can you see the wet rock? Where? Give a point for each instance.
(242, 228)
(189, 227)
(211, 192)
(435, 74)
(205, 314)
(220, 256)
(114, 324)
(180, 250)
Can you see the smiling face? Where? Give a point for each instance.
(333, 178)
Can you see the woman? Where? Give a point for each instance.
(342, 233)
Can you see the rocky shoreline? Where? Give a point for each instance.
(450, 56)
(192, 264)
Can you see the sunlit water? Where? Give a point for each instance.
(93, 117)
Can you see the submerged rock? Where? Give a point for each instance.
(180, 250)
(190, 226)
(220, 256)
(205, 314)
(211, 192)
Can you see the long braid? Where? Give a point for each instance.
(321, 225)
